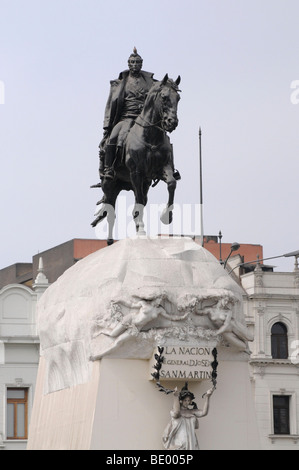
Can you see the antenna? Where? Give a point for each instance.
(201, 198)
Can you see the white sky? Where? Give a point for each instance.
(237, 60)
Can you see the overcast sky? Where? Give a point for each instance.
(238, 60)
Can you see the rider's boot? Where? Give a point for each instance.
(102, 163)
(109, 161)
(176, 175)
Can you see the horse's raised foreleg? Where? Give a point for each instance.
(166, 216)
(101, 213)
(107, 209)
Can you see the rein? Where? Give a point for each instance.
(149, 124)
(158, 124)
(155, 124)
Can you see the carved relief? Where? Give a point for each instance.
(163, 314)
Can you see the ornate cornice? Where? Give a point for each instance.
(259, 361)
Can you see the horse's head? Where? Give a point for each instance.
(169, 98)
(169, 103)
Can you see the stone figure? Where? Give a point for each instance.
(141, 313)
(234, 332)
(219, 309)
(135, 151)
(180, 432)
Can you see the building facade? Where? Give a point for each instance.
(19, 358)
(271, 309)
(21, 285)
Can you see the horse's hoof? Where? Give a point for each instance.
(166, 217)
(95, 222)
(110, 241)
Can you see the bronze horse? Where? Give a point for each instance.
(147, 158)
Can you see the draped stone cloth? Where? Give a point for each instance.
(123, 300)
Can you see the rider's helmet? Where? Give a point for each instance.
(135, 61)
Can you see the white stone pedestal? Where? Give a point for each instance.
(99, 325)
(119, 409)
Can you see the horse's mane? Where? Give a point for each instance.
(152, 94)
(157, 87)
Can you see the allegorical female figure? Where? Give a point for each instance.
(180, 432)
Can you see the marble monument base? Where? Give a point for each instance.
(120, 409)
(99, 325)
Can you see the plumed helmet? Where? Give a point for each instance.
(186, 393)
(135, 55)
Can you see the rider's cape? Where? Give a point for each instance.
(115, 101)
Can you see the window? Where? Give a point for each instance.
(17, 413)
(279, 341)
(281, 414)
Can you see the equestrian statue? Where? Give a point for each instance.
(135, 151)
